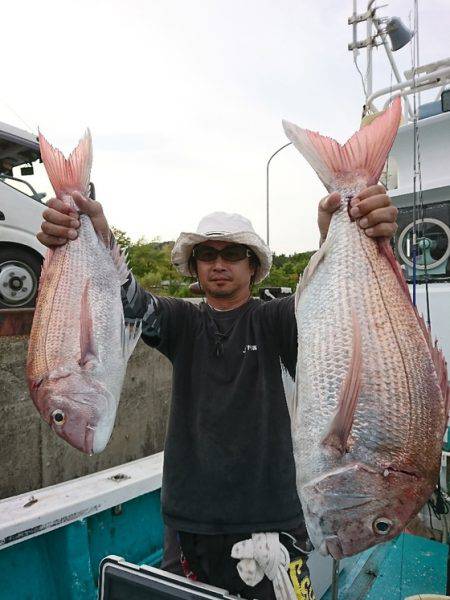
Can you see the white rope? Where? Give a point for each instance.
(264, 555)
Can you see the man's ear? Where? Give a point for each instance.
(192, 266)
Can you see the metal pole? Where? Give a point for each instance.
(416, 34)
(335, 580)
(369, 76)
(267, 188)
(355, 25)
(393, 64)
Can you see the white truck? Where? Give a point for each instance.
(21, 209)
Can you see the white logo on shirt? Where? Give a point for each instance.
(249, 348)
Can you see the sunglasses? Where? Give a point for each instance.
(229, 253)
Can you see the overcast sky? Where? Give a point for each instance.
(185, 99)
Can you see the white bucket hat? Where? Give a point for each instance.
(223, 227)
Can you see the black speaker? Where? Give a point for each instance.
(433, 241)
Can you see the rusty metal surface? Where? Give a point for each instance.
(16, 321)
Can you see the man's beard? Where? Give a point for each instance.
(218, 293)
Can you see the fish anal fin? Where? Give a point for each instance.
(438, 358)
(131, 332)
(362, 156)
(88, 346)
(339, 430)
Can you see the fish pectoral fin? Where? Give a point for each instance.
(131, 332)
(337, 435)
(89, 362)
(88, 346)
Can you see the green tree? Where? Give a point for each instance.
(151, 264)
(121, 237)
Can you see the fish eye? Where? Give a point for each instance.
(382, 526)
(58, 417)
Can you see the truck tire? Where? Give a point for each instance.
(19, 277)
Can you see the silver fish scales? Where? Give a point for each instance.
(371, 388)
(79, 344)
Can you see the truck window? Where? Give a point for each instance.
(38, 181)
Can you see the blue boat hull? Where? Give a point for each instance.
(52, 542)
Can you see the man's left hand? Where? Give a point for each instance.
(371, 208)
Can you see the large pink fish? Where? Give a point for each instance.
(371, 387)
(79, 343)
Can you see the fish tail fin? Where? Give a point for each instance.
(71, 174)
(364, 154)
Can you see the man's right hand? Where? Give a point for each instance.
(61, 222)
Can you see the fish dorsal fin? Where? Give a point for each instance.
(88, 346)
(131, 332)
(437, 355)
(364, 154)
(120, 258)
(71, 174)
(337, 435)
(311, 267)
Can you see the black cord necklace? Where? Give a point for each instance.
(221, 337)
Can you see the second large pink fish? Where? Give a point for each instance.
(79, 343)
(371, 387)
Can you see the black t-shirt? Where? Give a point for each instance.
(228, 460)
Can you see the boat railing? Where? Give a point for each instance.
(37, 512)
(437, 78)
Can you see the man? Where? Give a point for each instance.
(228, 470)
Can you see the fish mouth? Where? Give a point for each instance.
(100, 438)
(88, 446)
(332, 546)
(83, 444)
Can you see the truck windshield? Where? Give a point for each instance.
(32, 182)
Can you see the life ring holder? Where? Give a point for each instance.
(435, 263)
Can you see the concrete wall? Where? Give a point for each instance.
(32, 456)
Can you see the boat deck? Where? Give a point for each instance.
(52, 541)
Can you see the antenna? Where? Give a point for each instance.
(378, 31)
